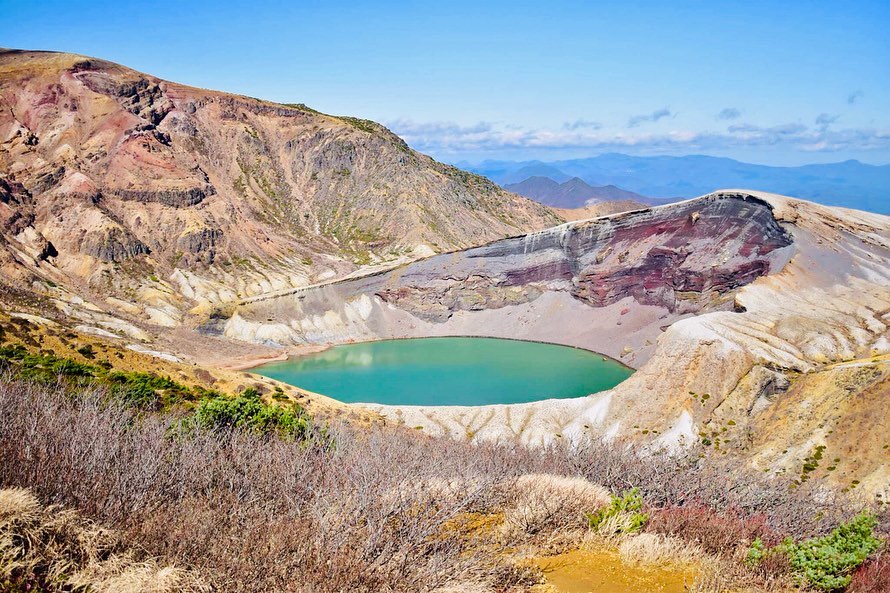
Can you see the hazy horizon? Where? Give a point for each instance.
(583, 156)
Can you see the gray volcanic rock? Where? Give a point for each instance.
(199, 241)
(113, 245)
(174, 198)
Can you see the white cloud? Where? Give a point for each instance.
(767, 135)
(449, 137)
(582, 123)
(823, 120)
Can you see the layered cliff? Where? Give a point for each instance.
(677, 260)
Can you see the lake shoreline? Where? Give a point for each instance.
(251, 362)
(447, 370)
(296, 352)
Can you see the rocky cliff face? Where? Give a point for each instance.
(667, 258)
(129, 177)
(681, 259)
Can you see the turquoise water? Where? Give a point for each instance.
(449, 372)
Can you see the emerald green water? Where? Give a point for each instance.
(449, 372)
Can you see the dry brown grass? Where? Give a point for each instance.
(47, 548)
(383, 510)
(873, 576)
(257, 513)
(546, 503)
(660, 550)
(723, 532)
(722, 575)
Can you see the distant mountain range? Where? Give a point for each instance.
(574, 193)
(851, 184)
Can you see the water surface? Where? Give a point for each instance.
(449, 371)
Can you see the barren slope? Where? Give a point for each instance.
(115, 184)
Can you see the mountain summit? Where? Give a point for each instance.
(574, 193)
(110, 177)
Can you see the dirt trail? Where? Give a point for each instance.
(602, 571)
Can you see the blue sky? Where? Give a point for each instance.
(768, 82)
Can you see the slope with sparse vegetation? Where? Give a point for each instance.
(245, 499)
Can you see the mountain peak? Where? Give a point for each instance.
(290, 194)
(573, 193)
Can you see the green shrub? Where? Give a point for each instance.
(826, 563)
(301, 107)
(248, 412)
(45, 368)
(86, 351)
(627, 509)
(756, 553)
(69, 368)
(151, 392)
(143, 390)
(147, 390)
(12, 352)
(365, 125)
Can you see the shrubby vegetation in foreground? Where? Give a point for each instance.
(236, 507)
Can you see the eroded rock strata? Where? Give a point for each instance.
(665, 258)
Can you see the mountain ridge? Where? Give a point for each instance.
(573, 193)
(849, 183)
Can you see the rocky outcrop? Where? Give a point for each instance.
(666, 257)
(705, 249)
(10, 191)
(204, 240)
(142, 96)
(15, 214)
(173, 198)
(113, 245)
(48, 180)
